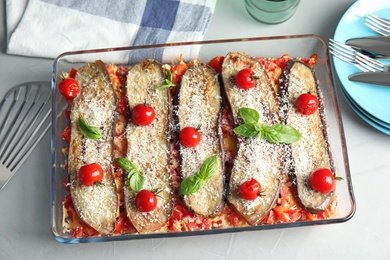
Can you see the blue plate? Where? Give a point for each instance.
(351, 101)
(372, 121)
(373, 99)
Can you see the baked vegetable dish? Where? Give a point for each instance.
(235, 141)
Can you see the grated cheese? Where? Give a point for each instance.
(255, 158)
(311, 152)
(200, 104)
(95, 103)
(148, 146)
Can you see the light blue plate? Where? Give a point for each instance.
(373, 99)
(379, 125)
(371, 117)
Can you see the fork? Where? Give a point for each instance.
(348, 54)
(378, 24)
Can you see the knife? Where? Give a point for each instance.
(377, 78)
(376, 44)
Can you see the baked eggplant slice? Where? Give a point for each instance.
(199, 104)
(96, 104)
(148, 146)
(312, 151)
(255, 158)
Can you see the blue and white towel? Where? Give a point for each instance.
(47, 28)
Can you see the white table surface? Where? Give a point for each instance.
(25, 231)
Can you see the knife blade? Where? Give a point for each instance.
(377, 78)
(376, 44)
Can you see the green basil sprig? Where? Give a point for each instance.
(168, 81)
(91, 132)
(136, 179)
(277, 133)
(195, 182)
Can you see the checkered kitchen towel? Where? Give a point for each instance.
(47, 28)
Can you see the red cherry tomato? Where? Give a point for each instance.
(307, 104)
(189, 136)
(146, 201)
(245, 79)
(250, 189)
(142, 115)
(216, 63)
(91, 173)
(322, 180)
(66, 134)
(69, 88)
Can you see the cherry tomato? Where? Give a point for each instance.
(216, 63)
(146, 201)
(245, 79)
(307, 104)
(90, 174)
(69, 88)
(189, 136)
(142, 115)
(250, 189)
(66, 134)
(322, 180)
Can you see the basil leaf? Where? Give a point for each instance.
(195, 182)
(284, 134)
(126, 165)
(247, 130)
(261, 130)
(249, 115)
(190, 185)
(207, 169)
(136, 181)
(91, 132)
(168, 81)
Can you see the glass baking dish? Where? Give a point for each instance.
(294, 46)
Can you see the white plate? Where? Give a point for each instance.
(373, 99)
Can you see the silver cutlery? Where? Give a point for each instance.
(371, 45)
(24, 120)
(377, 78)
(350, 55)
(378, 24)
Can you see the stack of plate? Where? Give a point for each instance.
(370, 102)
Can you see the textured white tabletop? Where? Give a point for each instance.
(25, 231)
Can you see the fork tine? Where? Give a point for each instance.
(370, 64)
(343, 52)
(379, 19)
(348, 54)
(376, 28)
(378, 24)
(366, 66)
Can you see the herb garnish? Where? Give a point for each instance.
(136, 179)
(195, 182)
(277, 133)
(91, 132)
(168, 81)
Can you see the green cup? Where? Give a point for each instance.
(271, 11)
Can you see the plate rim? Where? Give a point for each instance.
(343, 70)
